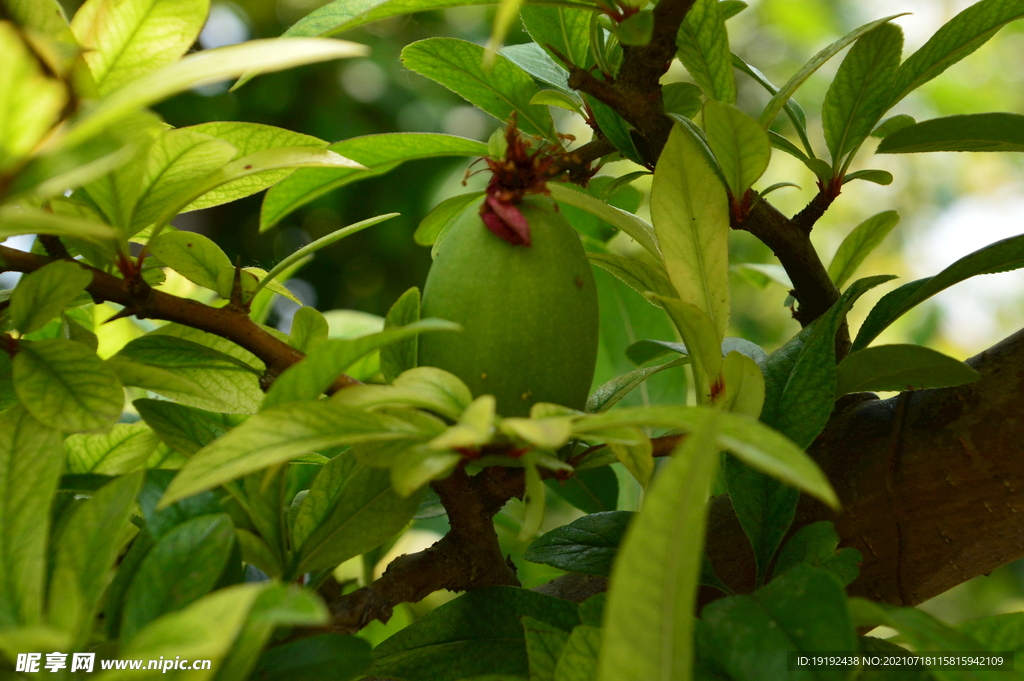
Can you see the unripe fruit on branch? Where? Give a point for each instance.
(529, 313)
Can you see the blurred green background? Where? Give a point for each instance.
(950, 204)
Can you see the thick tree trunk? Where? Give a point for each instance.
(931, 481)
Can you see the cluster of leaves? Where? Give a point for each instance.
(220, 493)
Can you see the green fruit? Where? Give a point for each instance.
(529, 313)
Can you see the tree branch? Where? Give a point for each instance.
(147, 303)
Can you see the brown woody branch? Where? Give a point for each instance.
(147, 303)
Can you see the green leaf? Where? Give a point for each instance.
(159, 523)
(691, 217)
(314, 374)
(900, 367)
(224, 383)
(593, 490)
(639, 275)
(615, 128)
(280, 606)
(30, 103)
(859, 94)
(432, 228)
(500, 90)
(31, 459)
(644, 351)
(858, 244)
(86, 552)
(973, 132)
(587, 545)
(1001, 256)
(277, 435)
(636, 29)
(309, 328)
(46, 16)
(401, 355)
(350, 509)
(124, 449)
(609, 394)
(816, 62)
(249, 138)
(378, 153)
(544, 645)
(425, 388)
(892, 124)
(194, 256)
(180, 569)
(175, 162)
(184, 429)
(648, 631)
(731, 8)
(41, 295)
(564, 28)
(15, 221)
(532, 58)
(882, 177)
(205, 68)
(204, 630)
(682, 98)
(320, 243)
(960, 36)
(751, 441)
(124, 40)
(580, 656)
(803, 610)
(306, 659)
(817, 544)
(477, 633)
(793, 110)
(740, 145)
(801, 376)
(743, 385)
(997, 633)
(703, 47)
(66, 386)
(701, 339)
(344, 15)
(634, 227)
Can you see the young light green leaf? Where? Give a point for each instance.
(350, 509)
(900, 367)
(882, 177)
(859, 94)
(1001, 256)
(344, 15)
(225, 383)
(703, 341)
(46, 16)
(743, 385)
(15, 221)
(959, 37)
(648, 631)
(31, 459)
(249, 138)
(703, 45)
(474, 428)
(175, 161)
(41, 295)
(609, 394)
(414, 469)
(858, 244)
(579, 659)
(378, 153)
(972, 132)
(425, 388)
(86, 552)
(691, 217)
(124, 449)
(556, 98)
(751, 441)
(816, 62)
(634, 227)
(639, 275)
(309, 327)
(278, 435)
(205, 68)
(564, 28)
(547, 433)
(310, 377)
(762, 273)
(66, 386)
(432, 228)
(180, 569)
(322, 242)
(124, 40)
(192, 255)
(740, 145)
(637, 28)
(500, 90)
